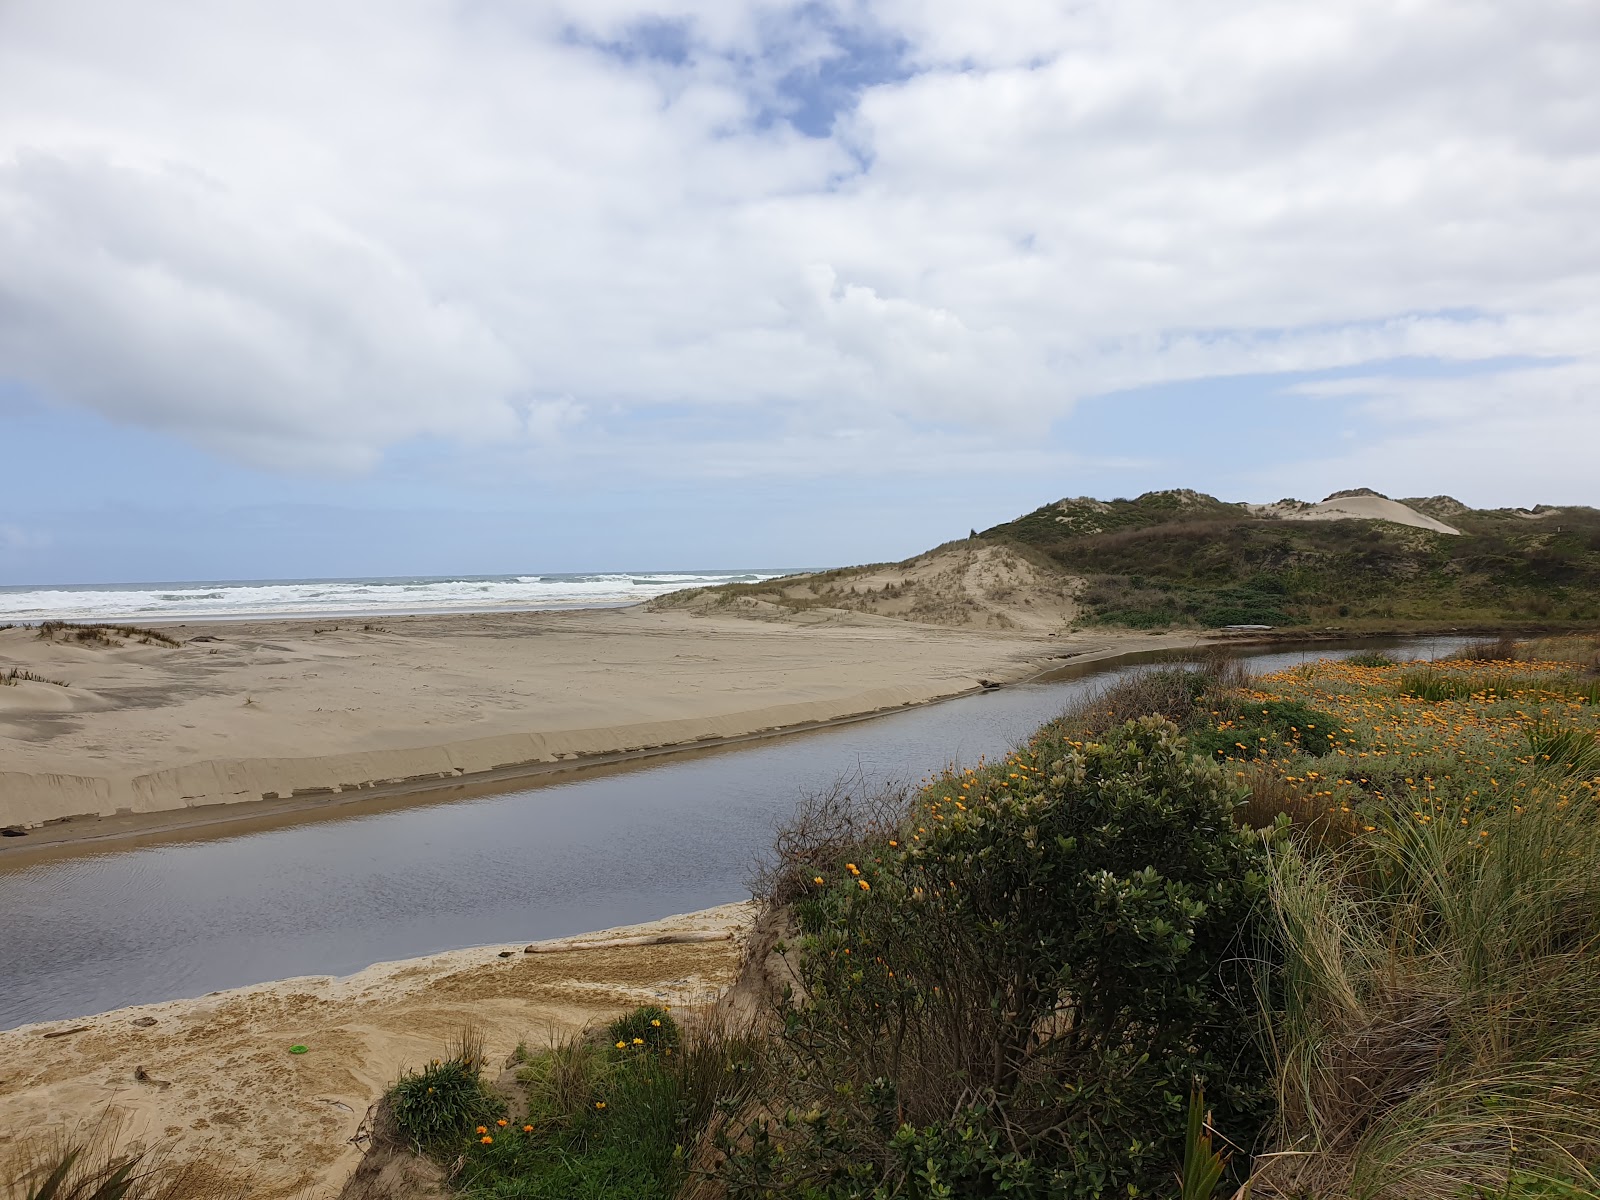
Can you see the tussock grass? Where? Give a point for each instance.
(15, 675)
(99, 634)
(91, 1166)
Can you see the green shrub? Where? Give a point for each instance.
(614, 1123)
(650, 1027)
(1262, 726)
(446, 1100)
(1017, 993)
(1369, 658)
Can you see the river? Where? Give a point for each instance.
(107, 927)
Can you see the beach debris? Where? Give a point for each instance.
(13, 831)
(143, 1022)
(298, 1049)
(143, 1076)
(652, 939)
(55, 1033)
(507, 953)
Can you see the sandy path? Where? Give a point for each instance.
(278, 710)
(224, 1089)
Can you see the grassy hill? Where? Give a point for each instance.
(1184, 558)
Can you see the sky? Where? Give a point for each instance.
(472, 286)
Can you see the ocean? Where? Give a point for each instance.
(394, 596)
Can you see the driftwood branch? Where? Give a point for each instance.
(652, 939)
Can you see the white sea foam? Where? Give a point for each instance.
(354, 597)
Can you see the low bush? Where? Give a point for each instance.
(442, 1103)
(1017, 992)
(1369, 658)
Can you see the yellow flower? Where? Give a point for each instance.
(818, 879)
(638, 1041)
(656, 1022)
(622, 1045)
(599, 1103)
(863, 885)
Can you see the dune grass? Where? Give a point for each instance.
(101, 634)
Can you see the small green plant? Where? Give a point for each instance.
(446, 1100)
(1369, 658)
(1202, 1166)
(649, 1027)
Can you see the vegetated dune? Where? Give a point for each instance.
(1357, 562)
(969, 584)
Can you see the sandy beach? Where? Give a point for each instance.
(299, 714)
(211, 1080)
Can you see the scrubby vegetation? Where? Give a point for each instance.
(1357, 910)
(1182, 558)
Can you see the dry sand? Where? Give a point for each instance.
(1359, 508)
(223, 1089)
(311, 712)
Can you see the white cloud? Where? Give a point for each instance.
(302, 234)
(1505, 437)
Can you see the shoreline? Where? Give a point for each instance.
(624, 663)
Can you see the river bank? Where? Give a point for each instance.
(267, 720)
(212, 1080)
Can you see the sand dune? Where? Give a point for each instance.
(1368, 507)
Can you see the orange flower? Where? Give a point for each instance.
(483, 1129)
(501, 1122)
(527, 1129)
(486, 1140)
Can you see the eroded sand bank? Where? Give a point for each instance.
(303, 710)
(221, 1088)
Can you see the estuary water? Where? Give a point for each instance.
(100, 929)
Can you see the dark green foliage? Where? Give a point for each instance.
(1020, 999)
(445, 1101)
(1259, 728)
(1182, 558)
(649, 1026)
(1369, 658)
(613, 1123)
(1202, 1165)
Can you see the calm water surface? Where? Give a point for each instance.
(101, 930)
